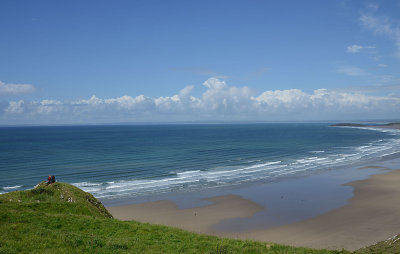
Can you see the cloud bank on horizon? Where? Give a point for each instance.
(219, 102)
(281, 61)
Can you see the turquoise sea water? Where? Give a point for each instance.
(114, 162)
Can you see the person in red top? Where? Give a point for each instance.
(49, 180)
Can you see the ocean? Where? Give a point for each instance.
(128, 161)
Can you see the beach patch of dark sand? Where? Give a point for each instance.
(198, 219)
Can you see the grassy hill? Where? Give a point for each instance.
(60, 218)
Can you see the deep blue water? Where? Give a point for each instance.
(120, 161)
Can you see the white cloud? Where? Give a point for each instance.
(357, 48)
(15, 107)
(48, 106)
(287, 100)
(14, 89)
(383, 26)
(352, 71)
(354, 48)
(219, 102)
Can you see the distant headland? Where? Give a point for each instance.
(395, 125)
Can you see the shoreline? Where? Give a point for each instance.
(372, 214)
(319, 160)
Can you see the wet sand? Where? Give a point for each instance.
(199, 219)
(371, 215)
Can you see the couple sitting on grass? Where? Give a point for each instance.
(51, 179)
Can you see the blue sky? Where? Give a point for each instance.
(151, 61)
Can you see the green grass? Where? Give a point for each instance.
(389, 246)
(44, 220)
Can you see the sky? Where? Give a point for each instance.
(85, 62)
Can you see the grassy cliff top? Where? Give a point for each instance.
(56, 198)
(60, 218)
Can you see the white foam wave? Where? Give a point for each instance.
(317, 152)
(12, 187)
(87, 184)
(386, 130)
(189, 173)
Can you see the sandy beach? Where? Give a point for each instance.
(199, 219)
(371, 215)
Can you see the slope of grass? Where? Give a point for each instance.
(390, 246)
(61, 218)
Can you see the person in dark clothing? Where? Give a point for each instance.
(53, 179)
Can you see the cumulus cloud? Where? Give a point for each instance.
(357, 48)
(219, 102)
(15, 107)
(14, 89)
(219, 97)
